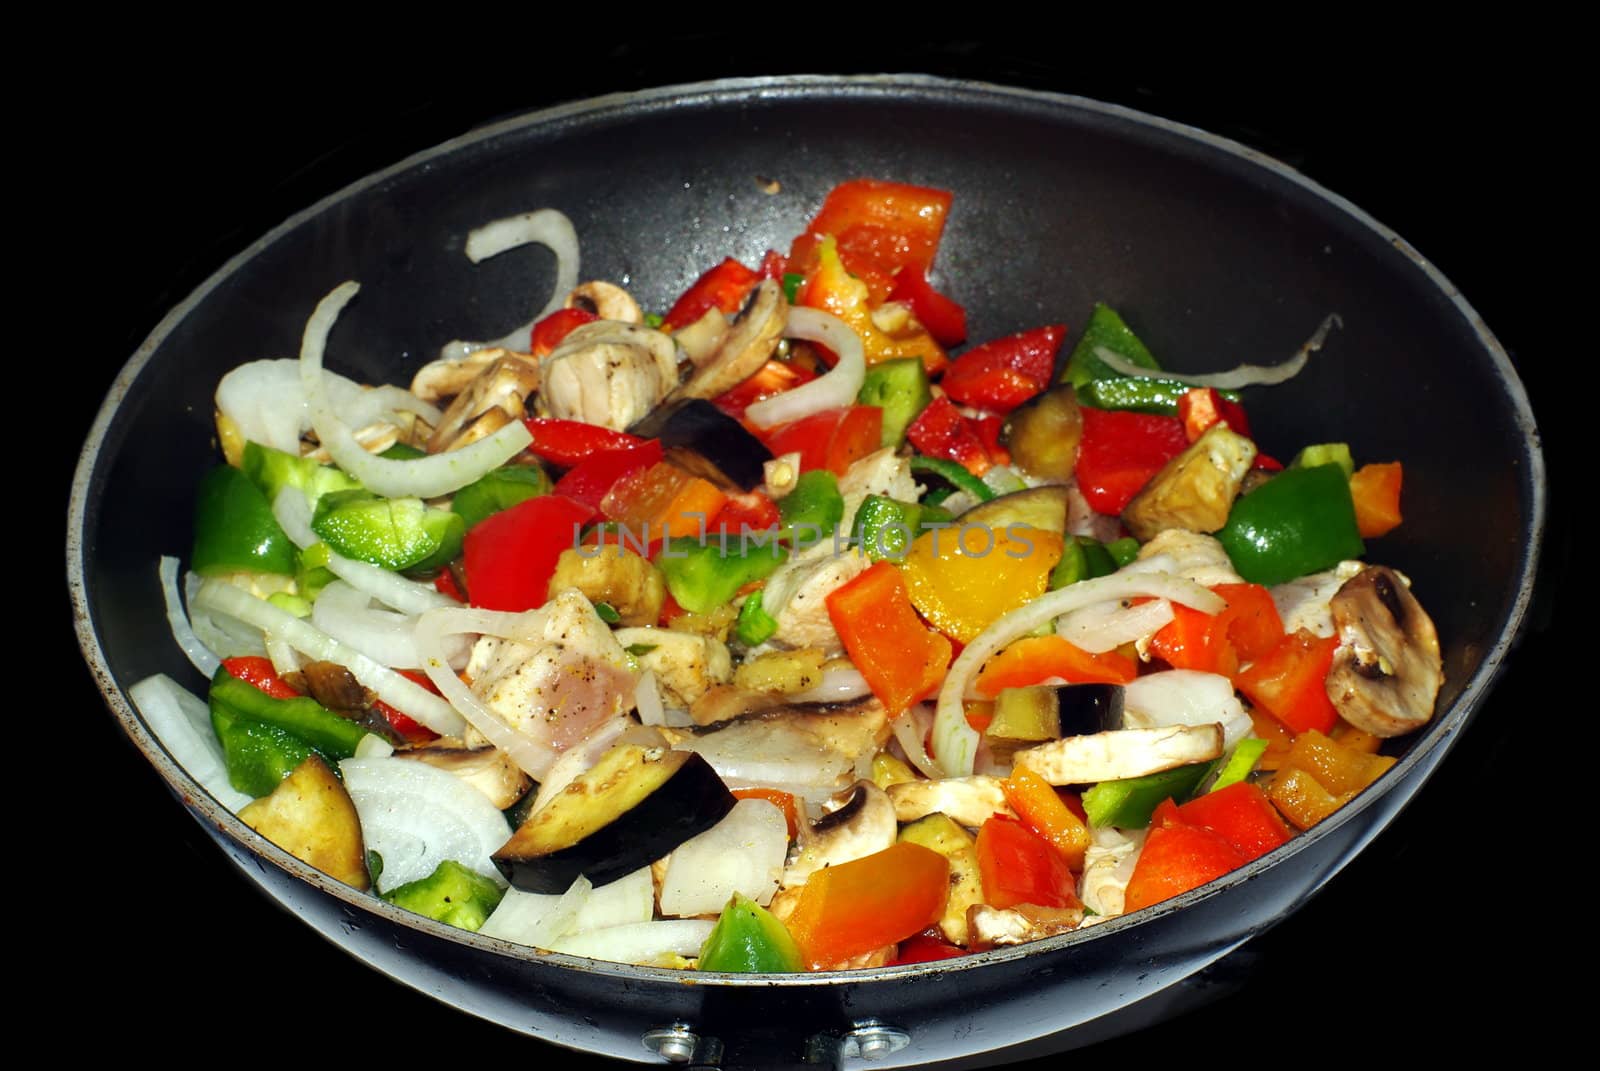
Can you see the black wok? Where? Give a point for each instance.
(1287, 216)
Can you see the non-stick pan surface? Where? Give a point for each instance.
(1394, 935)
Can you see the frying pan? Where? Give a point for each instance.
(1136, 257)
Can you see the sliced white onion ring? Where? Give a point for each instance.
(416, 816)
(200, 656)
(425, 477)
(837, 387)
(1102, 628)
(1245, 375)
(406, 696)
(955, 743)
(546, 227)
(182, 723)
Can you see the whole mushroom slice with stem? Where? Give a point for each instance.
(863, 824)
(750, 343)
(495, 397)
(608, 373)
(1387, 670)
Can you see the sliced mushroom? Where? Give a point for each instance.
(605, 300)
(971, 801)
(702, 339)
(1387, 671)
(494, 398)
(1122, 753)
(749, 345)
(608, 373)
(487, 769)
(863, 825)
(438, 381)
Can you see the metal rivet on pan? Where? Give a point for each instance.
(873, 1039)
(675, 1043)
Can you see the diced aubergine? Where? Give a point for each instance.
(1024, 717)
(705, 432)
(310, 816)
(634, 806)
(1037, 507)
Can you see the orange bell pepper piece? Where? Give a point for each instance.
(894, 332)
(962, 580)
(1336, 766)
(1375, 489)
(863, 905)
(665, 498)
(901, 658)
(1038, 658)
(1036, 802)
(1289, 682)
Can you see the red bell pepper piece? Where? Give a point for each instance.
(549, 332)
(945, 320)
(1289, 682)
(590, 479)
(773, 266)
(988, 429)
(1201, 407)
(941, 431)
(1039, 805)
(901, 658)
(832, 439)
(1002, 374)
(1375, 489)
(752, 510)
(1178, 857)
(881, 228)
(257, 671)
(567, 442)
(1038, 658)
(1247, 628)
(724, 287)
(445, 584)
(863, 905)
(1020, 867)
(1120, 451)
(925, 947)
(1252, 620)
(510, 556)
(771, 379)
(1241, 814)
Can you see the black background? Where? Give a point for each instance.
(189, 160)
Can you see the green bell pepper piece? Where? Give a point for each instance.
(811, 511)
(1105, 328)
(1082, 558)
(755, 626)
(953, 473)
(1240, 763)
(1140, 395)
(703, 576)
(273, 470)
(403, 452)
(332, 736)
(314, 574)
(1129, 803)
(234, 530)
(748, 939)
(791, 285)
(257, 756)
(452, 894)
(1326, 454)
(395, 533)
(1300, 521)
(899, 388)
(498, 490)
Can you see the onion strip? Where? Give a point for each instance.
(426, 477)
(406, 696)
(837, 387)
(955, 743)
(200, 656)
(547, 227)
(1245, 375)
(181, 723)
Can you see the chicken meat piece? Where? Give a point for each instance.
(608, 373)
(686, 665)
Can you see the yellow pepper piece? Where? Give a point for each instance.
(963, 579)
